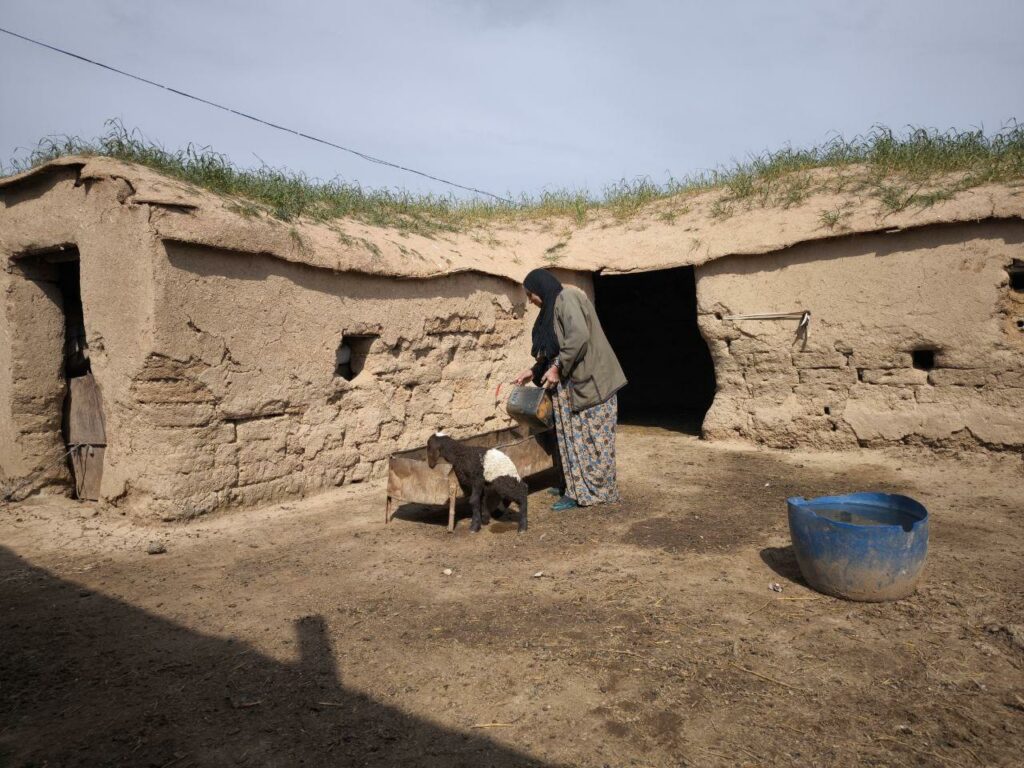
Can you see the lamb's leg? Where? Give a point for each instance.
(521, 503)
(475, 501)
(494, 503)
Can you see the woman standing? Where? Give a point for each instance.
(575, 360)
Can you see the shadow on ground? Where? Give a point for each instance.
(438, 515)
(783, 561)
(88, 680)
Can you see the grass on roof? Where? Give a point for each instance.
(918, 167)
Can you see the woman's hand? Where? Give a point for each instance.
(523, 376)
(551, 378)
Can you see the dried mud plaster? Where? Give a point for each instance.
(214, 336)
(909, 341)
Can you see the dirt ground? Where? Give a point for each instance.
(309, 634)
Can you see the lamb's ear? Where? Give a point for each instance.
(440, 433)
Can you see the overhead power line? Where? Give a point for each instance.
(357, 153)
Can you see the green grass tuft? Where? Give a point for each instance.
(916, 168)
(722, 209)
(830, 218)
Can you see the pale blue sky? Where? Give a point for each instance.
(511, 95)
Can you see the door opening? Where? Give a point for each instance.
(650, 319)
(82, 423)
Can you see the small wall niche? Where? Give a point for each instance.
(923, 359)
(1016, 272)
(350, 357)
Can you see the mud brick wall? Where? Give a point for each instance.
(217, 363)
(218, 368)
(240, 403)
(941, 292)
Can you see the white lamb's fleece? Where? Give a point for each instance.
(497, 464)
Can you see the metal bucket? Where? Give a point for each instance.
(531, 407)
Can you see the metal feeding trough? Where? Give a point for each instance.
(411, 480)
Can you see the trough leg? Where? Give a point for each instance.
(388, 509)
(451, 513)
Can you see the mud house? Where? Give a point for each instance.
(190, 354)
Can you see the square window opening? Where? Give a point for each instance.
(923, 359)
(350, 357)
(1016, 272)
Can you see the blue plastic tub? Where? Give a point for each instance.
(861, 546)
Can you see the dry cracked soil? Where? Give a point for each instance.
(311, 634)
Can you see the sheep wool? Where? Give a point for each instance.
(497, 464)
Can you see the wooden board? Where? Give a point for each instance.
(86, 425)
(87, 461)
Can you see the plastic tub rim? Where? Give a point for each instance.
(916, 509)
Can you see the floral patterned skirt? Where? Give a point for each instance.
(586, 446)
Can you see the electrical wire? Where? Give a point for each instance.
(357, 153)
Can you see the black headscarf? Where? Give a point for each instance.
(545, 342)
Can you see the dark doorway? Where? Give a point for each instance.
(650, 319)
(69, 281)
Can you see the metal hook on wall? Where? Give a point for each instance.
(804, 316)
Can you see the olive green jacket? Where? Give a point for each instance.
(589, 366)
